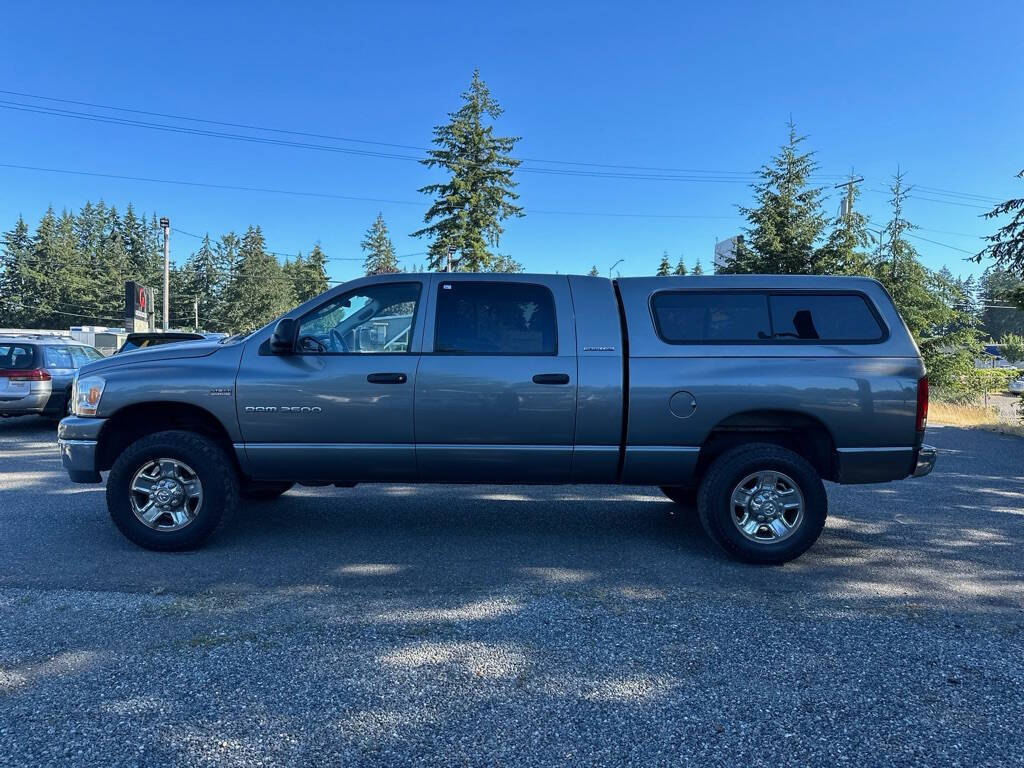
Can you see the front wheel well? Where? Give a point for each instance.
(798, 432)
(136, 421)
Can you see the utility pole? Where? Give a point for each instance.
(847, 204)
(448, 262)
(165, 223)
(195, 306)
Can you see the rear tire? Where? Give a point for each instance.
(191, 467)
(254, 490)
(762, 503)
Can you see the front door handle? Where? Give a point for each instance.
(551, 378)
(387, 378)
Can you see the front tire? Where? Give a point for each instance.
(171, 490)
(762, 503)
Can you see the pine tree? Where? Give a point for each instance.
(787, 220)
(205, 282)
(931, 304)
(505, 263)
(664, 268)
(845, 252)
(680, 267)
(17, 249)
(593, 271)
(379, 250)
(258, 290)
(1006, 246)
(479, 194)
(309, 275)
(697, 268)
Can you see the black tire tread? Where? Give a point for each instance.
(213, 456)
(727, 464)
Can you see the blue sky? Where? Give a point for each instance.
(934, 88)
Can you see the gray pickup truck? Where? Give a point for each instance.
(739, 394)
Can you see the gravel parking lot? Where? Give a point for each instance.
(393, 625)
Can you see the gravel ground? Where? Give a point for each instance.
(392, 625)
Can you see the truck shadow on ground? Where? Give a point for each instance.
(363, 624)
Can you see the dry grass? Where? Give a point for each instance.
(972, 416)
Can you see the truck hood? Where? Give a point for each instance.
(179, 351)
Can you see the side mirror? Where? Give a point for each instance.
(282, 342)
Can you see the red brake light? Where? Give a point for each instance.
(36, 374)
(922, 404)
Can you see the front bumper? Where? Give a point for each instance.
(78, 440)
(925, 463)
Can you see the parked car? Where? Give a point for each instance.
(152, 339)
(36, 373)
(1016, 387)
(743, 392)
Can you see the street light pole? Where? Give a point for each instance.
(165, 223)
(613, 266)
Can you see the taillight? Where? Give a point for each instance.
(922, 404)
(36, 374)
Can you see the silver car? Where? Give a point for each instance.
(36, 373)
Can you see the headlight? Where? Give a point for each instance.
(85, 395)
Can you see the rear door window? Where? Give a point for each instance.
(495, 319)
(708, 316)
(59, 357)
(824, 317)
(84, 355)
(17, 357)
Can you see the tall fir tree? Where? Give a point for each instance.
(314, 277)
(931, 304)
(258, 290)
(380, 251)
(680, 267)
(17, 250)
(697, 268)
(787, 220)
(664, 268)
(465, 217)
(593, 271)
(505, 263)
(1006, 246)
(847, 249)
(206, 282)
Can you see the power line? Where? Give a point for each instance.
(696, 174)
(331, 196)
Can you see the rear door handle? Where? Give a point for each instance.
(551, 378)
(387, 378)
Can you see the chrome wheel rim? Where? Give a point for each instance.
(767, 506)
(166, 494)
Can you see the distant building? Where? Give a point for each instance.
(725, 250)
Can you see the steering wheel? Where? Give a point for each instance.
(313, 340)
(339, 341)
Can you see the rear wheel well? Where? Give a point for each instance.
(136, 421)
(798, 432)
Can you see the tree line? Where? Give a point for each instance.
(72, 268)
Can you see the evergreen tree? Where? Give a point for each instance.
(17, 249)
(379, 250)
(505, 263)
(680, 267)
(787, 220)
(931, 304)
(593, 271)
(664, 268)
(845, 251)
(998, 291)
(697, 268)
(1006, 246)
(479, 194)
(257, 290)
(313, 281)
(205, 282)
